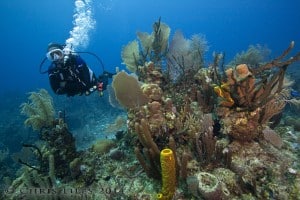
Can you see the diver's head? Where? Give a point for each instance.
(55, 52)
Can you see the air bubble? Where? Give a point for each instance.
(83, 23)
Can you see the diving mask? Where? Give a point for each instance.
(55, 55)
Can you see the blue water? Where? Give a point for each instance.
(27, 26)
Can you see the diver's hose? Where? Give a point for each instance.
(41, 65)
(93, 54)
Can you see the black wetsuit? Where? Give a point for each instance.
(71, 77)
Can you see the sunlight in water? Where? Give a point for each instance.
(83, 23)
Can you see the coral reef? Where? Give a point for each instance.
(61, 144)
(212, 120)
(54, 155)
(250, 97)
(193, 131)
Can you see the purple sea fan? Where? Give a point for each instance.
(185, 54)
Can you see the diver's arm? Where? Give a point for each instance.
(55, 84)
(87, 76)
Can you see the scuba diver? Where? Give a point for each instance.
(69, 74)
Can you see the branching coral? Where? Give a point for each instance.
(40, 110)
(60, 147)
(161, 33)
(146, 41)
(153, 47)
(257, 93)
(255, 55)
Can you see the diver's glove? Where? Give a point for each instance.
(100, 88)
(104, 79)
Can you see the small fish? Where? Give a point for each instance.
(295, 93)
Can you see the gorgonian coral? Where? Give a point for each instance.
(39, 111)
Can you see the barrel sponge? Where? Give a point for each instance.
(209, 186)
(168, 171)
(128, 91)
(242, 72)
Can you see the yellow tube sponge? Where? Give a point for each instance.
(168, 171)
